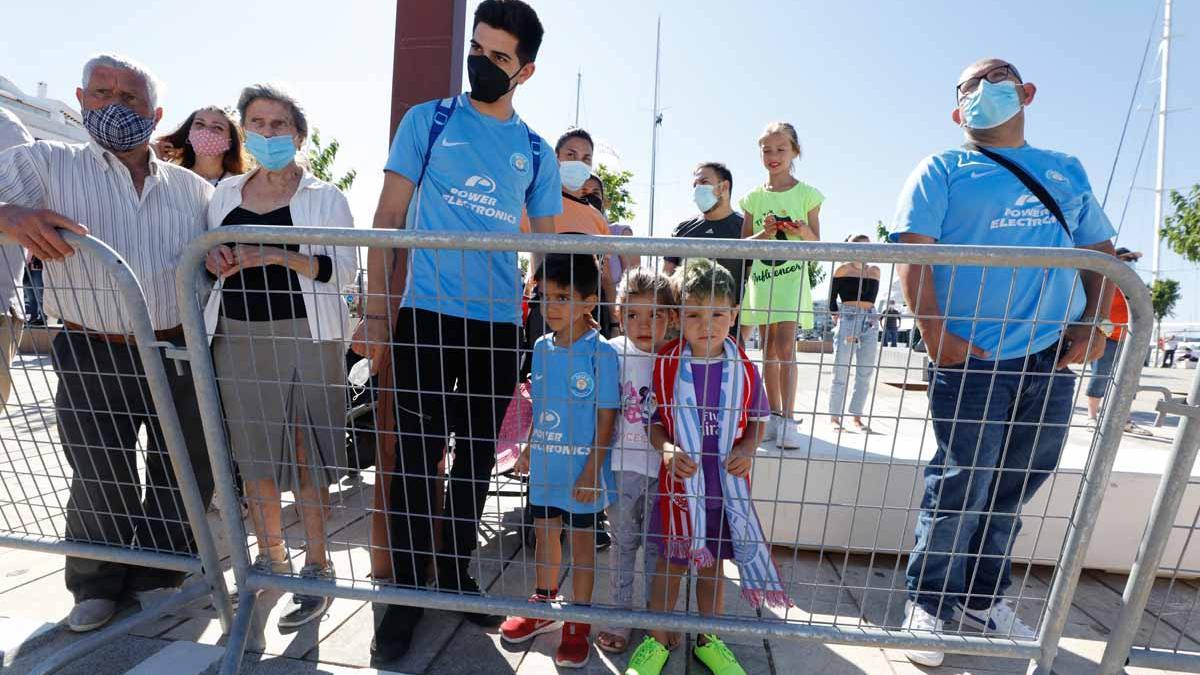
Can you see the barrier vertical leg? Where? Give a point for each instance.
(1162, 518)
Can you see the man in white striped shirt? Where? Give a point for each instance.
(147, 211)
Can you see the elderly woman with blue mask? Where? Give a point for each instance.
(279, 326)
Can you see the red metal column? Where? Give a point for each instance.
(428, 63)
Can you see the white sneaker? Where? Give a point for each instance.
(918, 620)
(772, 429)
(790, 436)
(999, 620)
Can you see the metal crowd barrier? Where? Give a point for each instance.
(1161, 600)
(837, 512)
(35, 471)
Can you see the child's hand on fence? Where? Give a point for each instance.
(585, 486)
(678, 463)
(522, 465)
(740, 460)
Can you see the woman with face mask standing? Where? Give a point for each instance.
(778, 297)
(208, 142)
(279, 328)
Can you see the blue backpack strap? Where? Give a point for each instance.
(441, 117)
(535, 151)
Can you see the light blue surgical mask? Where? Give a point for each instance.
(705, 197)
(272, 153)
(574, 174)
(990, 105)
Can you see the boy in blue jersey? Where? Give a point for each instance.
(462, 165)
(997, 338)
(576, 394)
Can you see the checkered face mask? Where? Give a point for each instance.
(118, 128)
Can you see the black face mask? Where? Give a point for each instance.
(488, 81)
(595, 201)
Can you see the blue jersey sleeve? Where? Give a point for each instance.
(921, 208)
(608, 377)
(546, 197)
(1093, 226)
(407, 155)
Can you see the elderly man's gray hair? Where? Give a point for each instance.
(274, 92)
(122, 63)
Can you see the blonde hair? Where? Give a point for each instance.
(784, 128)
(644, 281)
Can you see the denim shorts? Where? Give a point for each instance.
(1102, 370)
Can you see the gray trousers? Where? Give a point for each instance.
(102, 403)
(627, 519)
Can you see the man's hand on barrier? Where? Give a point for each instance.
(678, 463)
(220, 261)
(948, 349)
(371, 339)
(1084, 343)
(37, 230)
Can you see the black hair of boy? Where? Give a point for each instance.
(577, 271)
(574, 133)
(517, 19)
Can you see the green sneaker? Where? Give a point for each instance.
(717, 657)
(649, 658)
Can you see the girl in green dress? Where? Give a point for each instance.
(778, 297)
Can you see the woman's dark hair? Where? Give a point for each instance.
(574, 133)
(579, 272)
(517, 19)
(235, 160)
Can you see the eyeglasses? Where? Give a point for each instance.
(995, 76)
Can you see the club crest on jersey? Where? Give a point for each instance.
(582, 384)
(519, 162)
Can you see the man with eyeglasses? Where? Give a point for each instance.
(997, 337)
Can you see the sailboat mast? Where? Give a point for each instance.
(1160, 176)
(657, 121)
(578, 93)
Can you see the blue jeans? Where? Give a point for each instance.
(1000, 428)
(891, 337)
(863, 326)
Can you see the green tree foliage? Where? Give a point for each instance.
(616, 191)
(1164, 294)
(881, 231)
(816, 274)
(321, 158)
(1181, 230)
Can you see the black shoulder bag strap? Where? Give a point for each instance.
(1030, 182)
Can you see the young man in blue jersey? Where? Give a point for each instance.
(1000, 340)
(462, 165)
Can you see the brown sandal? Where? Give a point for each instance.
(613, 641)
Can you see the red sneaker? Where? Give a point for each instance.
(517, 629)
(575, 648)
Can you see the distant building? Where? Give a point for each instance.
(46, 118)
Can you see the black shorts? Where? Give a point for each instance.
(579, 521)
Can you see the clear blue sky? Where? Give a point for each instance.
(868, 85)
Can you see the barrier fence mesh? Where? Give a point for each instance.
(699, 446)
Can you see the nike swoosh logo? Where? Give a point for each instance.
(448, 144)
(981, 174)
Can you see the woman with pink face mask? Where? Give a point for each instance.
(208, 142)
